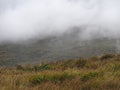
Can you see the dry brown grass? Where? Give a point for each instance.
(96, 73)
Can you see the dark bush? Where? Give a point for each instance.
(42, 67)
(19, 67)
(107, 56)
(80, 63)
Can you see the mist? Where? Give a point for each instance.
(23, 20)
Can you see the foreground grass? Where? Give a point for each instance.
(96, 73)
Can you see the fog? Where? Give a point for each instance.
(22, 20)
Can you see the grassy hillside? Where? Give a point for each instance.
(57, 48)
(95, 73)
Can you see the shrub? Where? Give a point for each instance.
(107, 56)
(42, 67)
(80, 63)
(37, 79)
(19, 67)
(89, 76)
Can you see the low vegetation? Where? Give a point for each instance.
(95, 73)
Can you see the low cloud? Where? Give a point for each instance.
(22, 20)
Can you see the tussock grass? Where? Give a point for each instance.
(96, 73)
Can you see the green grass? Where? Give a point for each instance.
(55, 78)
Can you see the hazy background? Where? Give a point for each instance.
(32, 31)
(22, 20)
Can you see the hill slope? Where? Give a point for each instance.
(67, 46)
